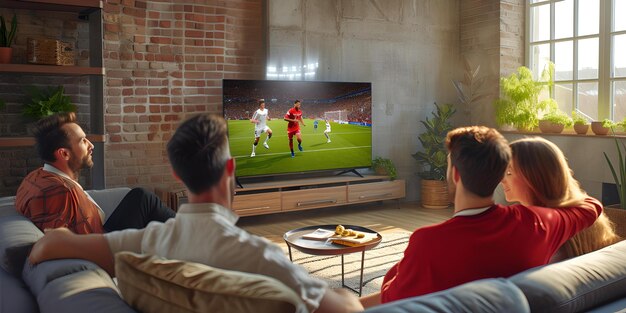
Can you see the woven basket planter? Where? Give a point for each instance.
(435, 194)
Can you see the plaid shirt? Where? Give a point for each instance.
(50, 200)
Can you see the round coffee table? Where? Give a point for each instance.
(294, 239)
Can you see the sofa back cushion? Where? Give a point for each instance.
(481, 296)
(151, 284)
(72, 285)
(578, 284)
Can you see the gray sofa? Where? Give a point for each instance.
(595, 282)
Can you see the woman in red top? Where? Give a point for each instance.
(539, 175)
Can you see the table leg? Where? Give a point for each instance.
(342, 283)
(360, 279)
(290, 258)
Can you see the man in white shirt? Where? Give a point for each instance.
(327, 132)
(260, 118)
(204, 230)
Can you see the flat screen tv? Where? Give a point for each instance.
(336, 128)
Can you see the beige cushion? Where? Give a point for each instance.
(152, 284)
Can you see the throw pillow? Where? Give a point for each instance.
(152, 284)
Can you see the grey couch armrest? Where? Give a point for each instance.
(487, 295)
(578, 284)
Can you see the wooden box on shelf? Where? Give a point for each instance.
(50, 52)
(172, 198)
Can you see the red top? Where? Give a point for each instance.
(500, 242)
(293, 114)
(51, 201)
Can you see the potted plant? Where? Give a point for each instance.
(433, 159)
(602, 128)
(45, 102)
(519, 103)
(385, 167)
(618, 214)
(581, 124)
(554, 122)
(6, 39)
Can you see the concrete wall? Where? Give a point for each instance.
(409, 50)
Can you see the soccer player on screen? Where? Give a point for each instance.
(294, 117)
(260, 118)
(327, 131)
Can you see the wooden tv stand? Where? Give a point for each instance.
(312, 193)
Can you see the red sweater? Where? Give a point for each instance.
(50, 201)
(500, 242)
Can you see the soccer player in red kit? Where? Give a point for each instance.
(294, 117)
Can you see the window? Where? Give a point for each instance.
(587, 44)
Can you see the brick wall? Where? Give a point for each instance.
(165, 61)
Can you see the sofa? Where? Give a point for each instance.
(595, 282)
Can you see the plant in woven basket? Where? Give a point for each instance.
(433, 160)
(6, 35)
(47, 101)
(385, 167)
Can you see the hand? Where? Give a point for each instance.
(45, 245)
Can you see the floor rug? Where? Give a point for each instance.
(377, 263)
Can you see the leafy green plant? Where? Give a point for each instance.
(6, 35)
(45, 102)
(558, 117)
(433, 160)
(578, 119)
(620, 181)
(519, 103)
(380, 164)
(608, 123)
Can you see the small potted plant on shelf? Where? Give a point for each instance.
(45, 102)
(554, 122)
(384, 166)
(519, 103)
(433, 159)
(6, 39)
(602, 128)
(581, 124)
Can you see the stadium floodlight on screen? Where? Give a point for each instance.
(329, 129)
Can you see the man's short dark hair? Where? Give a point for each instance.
(261, 101)
(297, 101)
(50, 135)
(481, 155)
(198, 151)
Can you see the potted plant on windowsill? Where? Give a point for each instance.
(581, 124)
(433, 161)
(602, 128)
(554, 122)
(385, 167)
(519, 103)
(6, 39)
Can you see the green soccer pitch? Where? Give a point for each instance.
(350, 147)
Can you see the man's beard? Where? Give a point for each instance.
(76, 164)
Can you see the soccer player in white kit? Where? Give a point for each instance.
(260, 118)
(327, 131)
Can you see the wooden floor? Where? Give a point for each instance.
(388, 216)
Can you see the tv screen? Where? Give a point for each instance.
(330, 128)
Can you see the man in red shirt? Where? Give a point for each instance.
(294, 117)
(482, 239)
